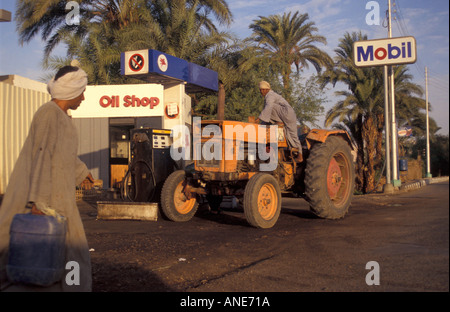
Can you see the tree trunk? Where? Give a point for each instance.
(221, 102)
(369, 134)
(359, 170)
(286, 74)
(380, 128)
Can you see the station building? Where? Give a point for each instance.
(109, 112)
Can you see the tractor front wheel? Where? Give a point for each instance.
(262, 201)
(176, 203)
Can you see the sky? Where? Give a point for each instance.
(427, 21)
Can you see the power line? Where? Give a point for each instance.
(437, 82)
(403, 29)
(420, 67)
(437, 86)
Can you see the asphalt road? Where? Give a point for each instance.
(406, 234)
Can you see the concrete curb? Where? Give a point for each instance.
(421, 183)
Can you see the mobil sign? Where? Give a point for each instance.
(392, 51)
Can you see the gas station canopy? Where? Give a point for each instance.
(156, 67)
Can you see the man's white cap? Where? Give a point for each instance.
(264, 85)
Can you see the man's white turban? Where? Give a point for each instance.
(264, 85)
(68, 86)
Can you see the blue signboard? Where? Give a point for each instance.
(168, 65)
(203, 77)
(158, 67)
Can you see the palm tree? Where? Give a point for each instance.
(49, 17)
(182, 28)
(287, 40)
(363, 105)
(240, 68)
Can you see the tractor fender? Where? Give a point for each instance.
(321, 135)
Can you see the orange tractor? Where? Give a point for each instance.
(254, 164)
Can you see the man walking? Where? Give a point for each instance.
(45, 177)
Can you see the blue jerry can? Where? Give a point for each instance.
(403, 164)
(36, 250)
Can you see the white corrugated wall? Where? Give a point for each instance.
(17, 107)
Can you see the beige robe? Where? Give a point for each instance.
(47, 171)
(277, 109)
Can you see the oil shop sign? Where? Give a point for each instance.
(128, 101)
(142, 100)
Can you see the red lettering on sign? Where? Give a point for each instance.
(136, 101)
(383, 51)
(102, 101)
(153, 102)
(129, 101)
(145, 101)
(106, 101)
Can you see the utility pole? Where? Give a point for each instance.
(221, 102)
(395, 180)
(388, 186)
(428, 175)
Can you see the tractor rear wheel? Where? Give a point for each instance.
(330, 178)
(262, 201)
(176, 204)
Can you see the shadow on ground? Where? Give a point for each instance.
(108, 277)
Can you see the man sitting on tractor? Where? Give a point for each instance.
(277, 109)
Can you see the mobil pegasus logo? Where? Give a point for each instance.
(392, 51)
